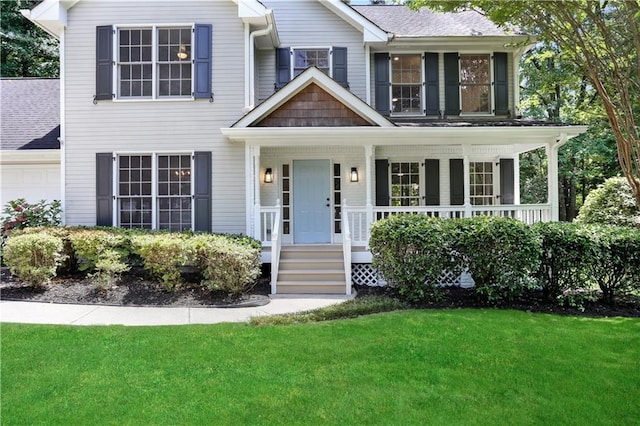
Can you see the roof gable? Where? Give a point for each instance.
(313, 97)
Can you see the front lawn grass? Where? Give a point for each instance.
(406, 367)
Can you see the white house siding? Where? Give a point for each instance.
(33, 175)
(307, 23)
(179, 126)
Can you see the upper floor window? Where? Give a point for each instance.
(306, 58)
(406, 84)
(154, 62)
(475, 83)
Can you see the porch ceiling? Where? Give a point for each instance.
(525, 138)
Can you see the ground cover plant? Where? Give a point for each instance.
(407, 367)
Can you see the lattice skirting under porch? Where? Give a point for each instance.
(365, 274)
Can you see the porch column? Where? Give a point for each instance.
(368, 170)
(516, 179)
(552, 176)
(467, 183)
(256, 193)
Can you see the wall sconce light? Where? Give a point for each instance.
(182, 53)
(268, 175)
(354, 174)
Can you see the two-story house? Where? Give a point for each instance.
(297, 122)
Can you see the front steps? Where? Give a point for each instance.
(315, 269)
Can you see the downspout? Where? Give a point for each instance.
(63, 129)
(251, 62)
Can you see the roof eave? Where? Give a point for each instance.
(50, 15)
(370, 31)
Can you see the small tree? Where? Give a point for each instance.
(612, 203)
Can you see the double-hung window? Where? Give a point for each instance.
(481, 183)
(475, 83)
(154, 191)
(406, 84)
(154, 62)
(405, 184)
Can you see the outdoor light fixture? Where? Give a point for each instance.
(268, 175)
(354, 174)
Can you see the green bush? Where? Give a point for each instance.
(227, 264)
(502, 255)
(102, 253)
(612, 203)
(164, 256)
(34, 258)
(412, 251)
(614, 260)
(565, 251)
(19, 214)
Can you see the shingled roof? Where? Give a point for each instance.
(30, 113)
(404, 22)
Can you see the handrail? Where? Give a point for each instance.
(276, 245)
(346, 246)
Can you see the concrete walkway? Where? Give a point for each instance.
(54, 313)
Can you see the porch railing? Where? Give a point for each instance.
(356, 217)
(270, 236)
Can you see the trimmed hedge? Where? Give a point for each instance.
(34, 258)
(412, 252)
(229, 263)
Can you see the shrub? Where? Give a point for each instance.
(102, 252)
(227, 264)
(18, 214)
(614, 261)
(612, 203)
(68, 263)
(164, 256)
(565, 251)
(412, 252)
(501, 253)
(33, 258)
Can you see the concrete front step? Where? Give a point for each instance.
(305, 288)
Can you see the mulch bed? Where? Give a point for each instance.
(135, 289)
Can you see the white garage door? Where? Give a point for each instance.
(34, 182)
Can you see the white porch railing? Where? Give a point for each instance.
(346, 247)
(356, 217)
(270, 237)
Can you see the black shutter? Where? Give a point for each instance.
(432, 182)
(283, 66)
(506, 181)
(202, 192)
(104, 189)
(381, 78)
(431, 83)
(456, 181)
(451, 84)
(104, 63)
(382, 182)
(202, 61)
(340, 66)
(501, 83)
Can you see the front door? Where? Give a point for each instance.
(311, 205)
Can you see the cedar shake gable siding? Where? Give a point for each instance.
(312, 107)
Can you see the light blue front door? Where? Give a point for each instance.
(311, 205)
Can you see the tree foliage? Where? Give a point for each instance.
(27, 51)
(601, 38)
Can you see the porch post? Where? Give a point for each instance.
(467, 183)
(552, 177)
(368, 158)
(516, 179)
(256, 193)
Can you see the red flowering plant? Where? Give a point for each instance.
(19, 214)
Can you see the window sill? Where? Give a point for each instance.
(134, 100)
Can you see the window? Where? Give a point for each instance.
(154, 62)
(475, 83)
(481, 183)
(306, 58)
(155, 191)
(405, 184)
(406, 84)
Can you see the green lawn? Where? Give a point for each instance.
(409, 367)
